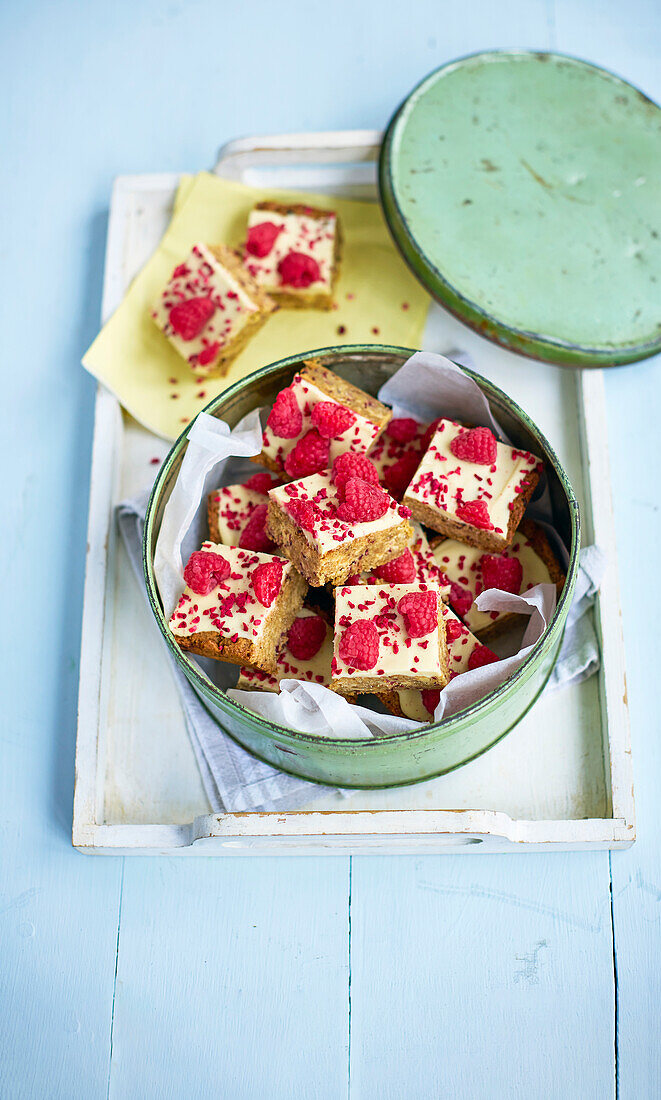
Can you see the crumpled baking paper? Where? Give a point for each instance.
(426, 386)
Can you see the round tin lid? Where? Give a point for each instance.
(523, 189)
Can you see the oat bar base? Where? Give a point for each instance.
(451, 528)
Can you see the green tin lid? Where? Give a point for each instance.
(524, 190)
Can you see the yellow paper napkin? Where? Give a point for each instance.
(378, 301)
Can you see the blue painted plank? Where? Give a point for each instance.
(635, 397)
(232, 979)
(482, 977)
(628, 42)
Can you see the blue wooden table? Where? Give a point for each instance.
(517, 976)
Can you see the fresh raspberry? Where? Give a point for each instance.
(353, 465)
(420, 612)
(306, 635)
(260, 483)
(262, 237)
(482, 655)
(500, 572)
(208, 354)
(285, 418)
(430, 433)
(398, 477)
(452, 630)
(266, 581)
(399, 570)
(190, 317)
(205, 570)
(362, 502)
(461, 598)
(430, 699)
(309, 456)
(253, 536)
(476, 513)
(298, 270)
(403, 429)
(359, 645)
(476, 445)
(332, 420)
(304, 512)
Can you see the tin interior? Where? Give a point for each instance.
(368, 366)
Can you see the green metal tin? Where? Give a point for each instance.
(434, 749)
(523, 189)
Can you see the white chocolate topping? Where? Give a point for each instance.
(444, 481)
(462, 565)
(357, 437)
(315, 669)
(201, 276)
(399, 654)
(313, 237)
(328, 530)
(231, 608)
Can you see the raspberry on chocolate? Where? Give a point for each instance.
(285, 418)
(306, 637)
(359, 645)
(309, 456)
(453, 629)
(207, 355)
(349, 465)
(261, 483)
(205, 571)
(254, 536)
(430, 699)
(331, 419)
(397, 477)
(304, 512)
(480, 656)
(262, 237)
(500, 572)
(475, 445)
(363, 503)
(299, 270)
(403, 429)
(190, 317)
(476, 513)
(399, 570)
(461, 598)
(420, 613)
(266, 581)
(430, 433)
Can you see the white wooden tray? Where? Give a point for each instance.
(561, 779)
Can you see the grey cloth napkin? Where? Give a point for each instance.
(236, 781)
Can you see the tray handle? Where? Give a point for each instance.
(329, 147)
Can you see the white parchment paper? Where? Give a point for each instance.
(425, 387)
